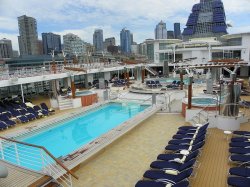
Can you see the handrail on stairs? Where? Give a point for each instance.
(46, 151)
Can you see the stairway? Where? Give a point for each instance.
(65, 103)
(151, 70)
(201, 118)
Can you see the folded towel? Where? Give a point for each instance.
(171, 172)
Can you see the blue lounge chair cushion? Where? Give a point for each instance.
(3, 125)
(159, 174)
(240, 158)
(173, 165)
(240, 171)
(238, 150)
(240, 144)
(238, 181)
(243, 133)
(159, 184)
(239, 139)
(167, 157)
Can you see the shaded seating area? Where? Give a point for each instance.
(179, 162)
(119, 83)
(153, 84)
(14, 111)
(239, 149)
(174, 85)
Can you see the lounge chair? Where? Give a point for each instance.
(238, 181)
(3, 125)
(7, 121)
(240, 139)
(240, 158)
(185, 147)
(173, 165)
(185, 141)
(240, 144)
(192, 128)
(161, 183)
(239, 150)
(162, 175)
(19, 116)
(167, 157)
(189, 136)
(45, 107)
(241, 133)
(240, 171)
(38, 109)
(32, 111)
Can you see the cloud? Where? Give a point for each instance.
(81, 17)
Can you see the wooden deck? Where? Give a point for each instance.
(213, 171)
(18, 177)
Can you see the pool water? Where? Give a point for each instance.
(83, 93)
(68, 137)
(204, 101)
(170, 80)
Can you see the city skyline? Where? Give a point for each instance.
(110, 16)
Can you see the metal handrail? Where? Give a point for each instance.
(46, 151)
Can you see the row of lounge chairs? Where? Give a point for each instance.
(174, 85)
(240, 155)
(153, 84)
(176, 165)
(14, 111)
(120, 83)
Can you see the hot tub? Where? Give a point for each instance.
(209, 103)
(88, 97)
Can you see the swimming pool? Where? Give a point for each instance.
(67, 137)
(202, 101)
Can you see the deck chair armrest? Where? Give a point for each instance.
(165, 181)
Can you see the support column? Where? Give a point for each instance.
(142, 74)
(22, 93)
(73, 89)
(190, 81)
(181, 79)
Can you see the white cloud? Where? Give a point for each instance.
(83, 16)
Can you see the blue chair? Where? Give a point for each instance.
(239, 139)
(167, 157)
(45, 107)
(189, 136)
(163, 165)
(192, 128)
(184, 147)
(3, 125)
(186, 141)
(239, 150)
(38, 109)
(240, 171)
(158, 174)
(160, 183)
(240, 144)
(238, 181)
(240, 158)
(241, 133)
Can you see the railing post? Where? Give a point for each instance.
(1, 149)
(17, 155)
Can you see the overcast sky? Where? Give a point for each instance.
(82, 17)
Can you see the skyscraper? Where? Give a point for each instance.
(98, 40)
(51, 42)
(6, 50)
(28, 36)
(161, 31)
(177, 30)
(170, 34)
(109, 42)
(207, 19)
(73, 44)
(125, 40)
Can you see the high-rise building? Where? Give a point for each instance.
(161, 31)
(51, 42)
(177, 30)
(98, 40)
(28, 36)
(170, 35)
(73, 44)
(40, 47)
(109, 42)
(6, 50)
(207, 19)
(125, 41)
(132, 38)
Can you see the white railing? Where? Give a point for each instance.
(35, 158)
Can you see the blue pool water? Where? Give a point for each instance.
(66, 138)
(204, 101)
